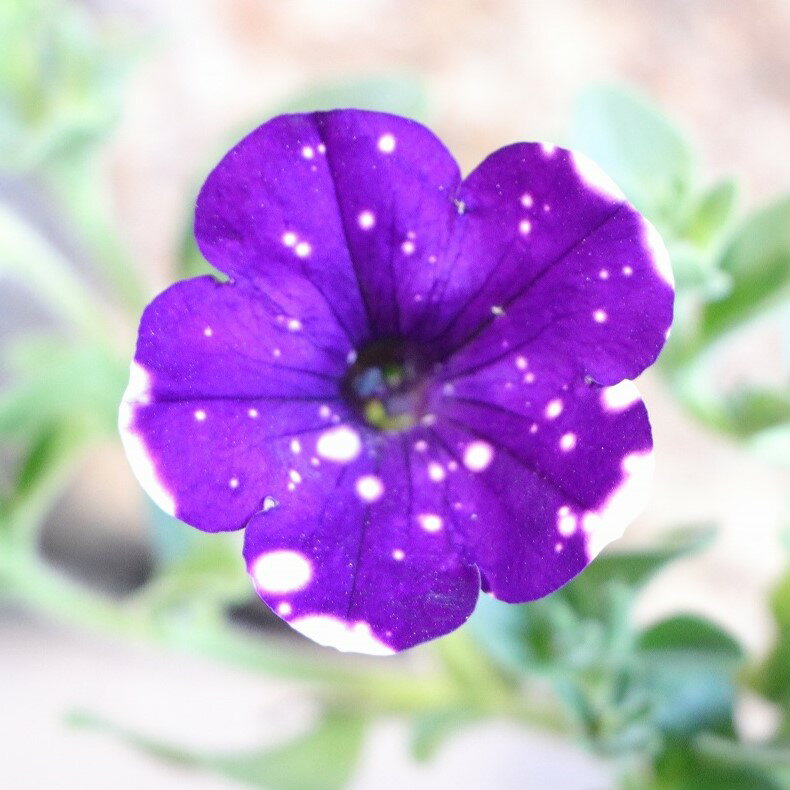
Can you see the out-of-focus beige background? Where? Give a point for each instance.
(496, 71)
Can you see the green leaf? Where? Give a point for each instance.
(757, 262)
(320, 760)
(639, 148)
(712, 214)
(433, 727)
(55, 383)
(690, 665)
(683, 767)
(689, 633)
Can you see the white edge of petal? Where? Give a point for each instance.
(594, 176)
(658, 253)
(344, 636)
(138, 394)
(620, 396)
(623, 505)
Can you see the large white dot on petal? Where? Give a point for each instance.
(208, 331)
(281, 571)
(386, 143)
(295, 477)
(568, 441)
(369, 488)
(366, 220)
(553, 408)
(430, 522)
(521, 363)
(339, 444)
(436, 472)
(200, 415)
(524, 227)
(294, 324)
(658, 251)
(252, 413)
(566, 523)
(344, 636)
(307, 152)
(599, 316)
(620, 396)
(137, 395)
(233, 482)
(407, 247)
(478, 455)
(595, 178)
(284, 609)
(526, 200)
(623, 505)
(303, 249)
(289, 238)
(398, 554)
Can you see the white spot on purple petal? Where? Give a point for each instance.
(252, 414)
(296, 478)
(366, 220)
(554, 408)
(436, 472)
(398, 554)
(281, 571)
(303, 249)
(430, 522)
(568, 442)
(407, 247)
(285, 609)
(307, 152)
(526, 200)
(296, 446)
(478, 455)
(386, 143)
(599, 316)
(369, 488)
(289, 238)
(524, 227)
(340, 444)
(208, 331)
(233, 482)
(200, 415)
(604, 274)
(627, 270)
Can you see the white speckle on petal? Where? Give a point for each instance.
(478, 455)
(321, 148)
(566, 521)
(324, 412)
(252, 414)
(307, 152)
(421, 445)
(340, 444)
(554, 408)
(524, 227)
(407, 247)
(599, 316)
(289, 238)
(284, 609)
(619, 396)
(281, 571)
(604, 274)
(521, 363)
(303, 249)
(296, 446)
(295, 476)
(398, 554)
(200, 415)
(623, 505)
(366, 220)
(627, 270)
(526, 200)
(369, 488)
(430, 522)
(533, 428)
(386, 143)
(529, 378)
(497, 310)
(346, 637)
(436, 472)
(208, 331)
(277, 353)
(233, 482)
(268, 503)
(568, 441)
(558, 547)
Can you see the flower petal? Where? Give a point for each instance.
(553, 472)
(361, 559)
(226, 385)
(357, 203)
(555, 258)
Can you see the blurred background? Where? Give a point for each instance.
(131, 650)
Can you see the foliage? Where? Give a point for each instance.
(658, 701)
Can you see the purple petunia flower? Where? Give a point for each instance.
(413, 385)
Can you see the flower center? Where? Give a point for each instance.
(386, 385)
